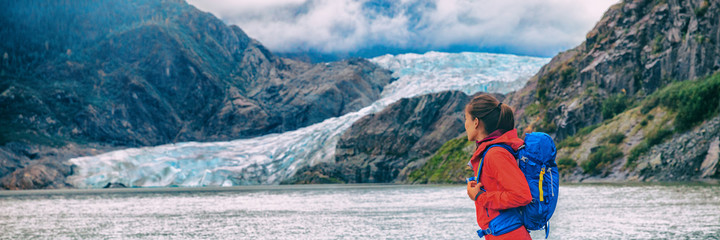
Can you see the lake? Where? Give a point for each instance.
(585, 211)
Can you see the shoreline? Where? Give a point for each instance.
(262, 188)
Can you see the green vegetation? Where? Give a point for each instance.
(654, 137)
(448, 165)
(532, 110)
(699, 38)
(647, 119)
(600, 158)
(694, 100)
(546, 126)
(591, 91)
(567, 73)
(10, 134)
(565, 164)
(542, 88)
(563, 74)
(615, 104)
(637, 84)
(648, 105)
(615, 138)
(544, 123)
(657, 44)
(587, 130)
(21, 114)
(597, 37)
(702, 9)
(574, 140)
(569, 142)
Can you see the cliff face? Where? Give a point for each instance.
(636, 49)
(387, 146)
(137, 73)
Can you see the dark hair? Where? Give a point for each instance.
(494, 114)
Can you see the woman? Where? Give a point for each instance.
(488, 121)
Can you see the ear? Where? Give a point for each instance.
(476, 122)
(479, 125)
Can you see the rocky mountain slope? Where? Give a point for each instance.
(88, 76)
(635, 49)
(636, 101)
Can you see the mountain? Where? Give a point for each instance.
(636, 101)
(84, 77)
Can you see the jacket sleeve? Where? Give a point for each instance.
(513, 190)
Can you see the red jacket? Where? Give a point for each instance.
(505, 183)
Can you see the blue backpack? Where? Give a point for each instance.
(536, 160)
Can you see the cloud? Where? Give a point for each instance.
(526, 27)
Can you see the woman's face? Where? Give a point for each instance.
(471, 126)
(474, 128)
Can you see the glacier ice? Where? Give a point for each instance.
(269, 159)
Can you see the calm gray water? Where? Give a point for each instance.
(348, 212)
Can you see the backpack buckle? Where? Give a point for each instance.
(481, 233)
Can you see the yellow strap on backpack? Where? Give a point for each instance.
(542, 173)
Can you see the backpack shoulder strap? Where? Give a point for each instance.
(482, 159)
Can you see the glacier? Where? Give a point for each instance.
(272, 158)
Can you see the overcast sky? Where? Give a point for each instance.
(523, 27)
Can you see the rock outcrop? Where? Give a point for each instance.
(33, 166)
(690, 156)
